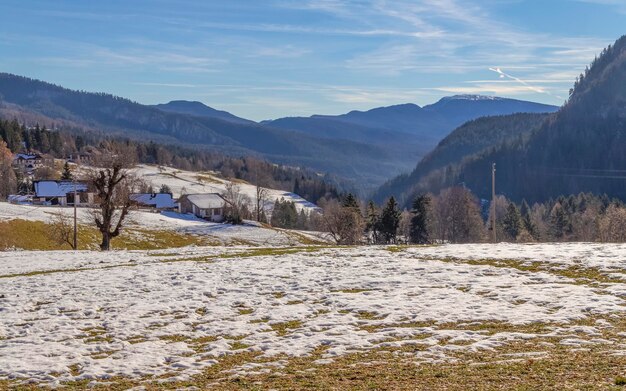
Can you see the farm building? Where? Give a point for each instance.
(61, 193)
(208, 206)
(26, 162)
(156, 201)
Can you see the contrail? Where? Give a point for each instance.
(517, 79)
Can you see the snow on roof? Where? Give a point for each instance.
(158, 200)
(206, 201)
(24, 156)
(57, 188)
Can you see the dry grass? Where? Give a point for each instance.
(33, 235)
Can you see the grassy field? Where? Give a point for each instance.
(35, 235)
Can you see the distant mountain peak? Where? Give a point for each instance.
(199, 109)
(471, 97)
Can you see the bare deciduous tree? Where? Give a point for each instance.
(61, 230)
(113, 187)
(344, 224)
(261, 194)
(458, 216)
(612, 226)
(236, 204)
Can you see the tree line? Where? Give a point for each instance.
(456, 215)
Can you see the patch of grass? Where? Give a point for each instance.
(197, 344)
(366, 315)
(620, 381)
(237, 345)
(269, 251)
(96, 335)
(278, 295)
(294, 302)
(283, 328)
(198, 259)
(135, 339)
(396, 249)
(201, 311)
(74, 369)
(353, 290)
(262, 320)
(581, 275)
(245, 311)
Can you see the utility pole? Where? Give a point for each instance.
(75, 225)
(493, 203)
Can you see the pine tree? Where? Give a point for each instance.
(527, 222)
(390, 220)
(165, 189)
(67, 175)
(419, 220)
(350, 202)
(512, 223)
(372, 222)
(558, 221)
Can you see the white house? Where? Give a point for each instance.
(61, 193)
(207, 206)
(158, 201)
(26, 162)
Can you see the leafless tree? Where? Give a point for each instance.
(404, 228)
(261, 194)
(458, 216)
(236, 204)
(61, 230)
(612, 226)
(113, 185)
(345, 225)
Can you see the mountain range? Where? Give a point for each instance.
(580, 148)
(366, 146)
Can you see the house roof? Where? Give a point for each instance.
(57, 188)
(156, 200)
(206, 201)
(25, 156)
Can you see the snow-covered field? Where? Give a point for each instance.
(173, 314)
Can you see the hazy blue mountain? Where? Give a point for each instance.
(458, 109)
(199, 109)
(364, 163)
(409, 123)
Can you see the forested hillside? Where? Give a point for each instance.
(578, 149)
(471, 138)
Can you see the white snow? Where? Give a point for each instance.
(133, 301)
(189, 182)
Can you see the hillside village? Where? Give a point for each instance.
(190, 203)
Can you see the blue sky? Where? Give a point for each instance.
(273, 58)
